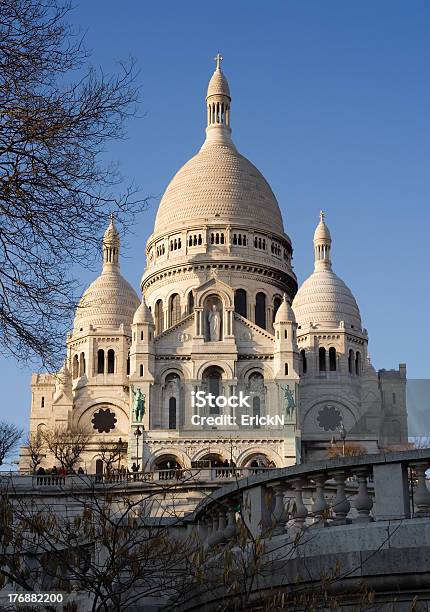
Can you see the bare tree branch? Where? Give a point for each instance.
(57, 115)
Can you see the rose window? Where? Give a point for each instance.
(104, 420)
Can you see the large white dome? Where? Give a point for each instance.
(219, 182)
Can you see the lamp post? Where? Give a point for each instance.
(137, 433)
(119, 454)
(342, 433)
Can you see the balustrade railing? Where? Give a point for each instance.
(340, 492)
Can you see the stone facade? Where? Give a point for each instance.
(220, 311)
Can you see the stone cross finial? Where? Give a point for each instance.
(218, 58)
(112, 217)
(322, 215)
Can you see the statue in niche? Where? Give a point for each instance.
(138, 404)
(214, 320)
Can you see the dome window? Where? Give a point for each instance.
(322, 357)
(190, 302)
(351, 361)
(75, 368)
(358, 363)
(240, 302)
(110, 361)
(175, 309)
(260, 310)
(100, 361)
(332, 359)
(303, 361)
(82, 364)
(159, 323)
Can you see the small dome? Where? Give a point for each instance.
(143, 314)
(111, 234)
(285, 313)
(108, 302)
(325, 300)
(218, 85)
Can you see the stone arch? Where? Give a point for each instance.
(247, 455)
(226, 298)
(170, 370)
(221, 452)
(168, 451)
(311, 413)
(265, 369)
(84, 416)
(227, 369)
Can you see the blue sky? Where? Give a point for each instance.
(330, 101)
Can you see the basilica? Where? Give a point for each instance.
(224, 357)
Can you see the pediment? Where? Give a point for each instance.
(247, 334)
(177, 335)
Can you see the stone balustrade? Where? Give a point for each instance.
(325, 494)
(34, 481)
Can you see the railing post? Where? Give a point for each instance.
(301, 512)
(319, 507)
(280, 516)
(390, 481)
(363, 502)
(341, 505)
(230, 530)
(255, 510)
(422, 494)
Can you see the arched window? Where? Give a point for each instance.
(322, 359)
(212, 378)
(276, 303)
(99, 467)
(172, 413)
(159, 315)
(351, 361)
(358, 363)
(332, 359)
(260, 310)
(240, 302)
(190, 302)
(110, 361)
(82, 364)
(128, 363)
(141, 335)
(141, 370)
(75, 366)
(42, 402)
(286, 369)
(175, 309)
(100, 361)
(256, 410)
(303, 361)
